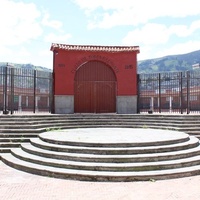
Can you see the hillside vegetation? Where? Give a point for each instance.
(181, 62)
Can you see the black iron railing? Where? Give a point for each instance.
(169, 92)
(28, 90)
(25, 90)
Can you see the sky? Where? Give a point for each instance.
(158, 27)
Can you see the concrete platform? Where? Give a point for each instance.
(109, 154)
(114, 137)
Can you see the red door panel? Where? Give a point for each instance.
(95, 89)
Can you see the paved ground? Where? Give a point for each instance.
(17, 185)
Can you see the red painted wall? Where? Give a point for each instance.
(124, 65)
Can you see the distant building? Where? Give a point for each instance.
(196, 66)
(94, 79)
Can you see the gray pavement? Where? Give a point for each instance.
(17, 185)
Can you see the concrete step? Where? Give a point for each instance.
(18, 135)
(4, 150)
(88, 175)
(9, 144)
(22, 130)
(148, 157)
(35, 118)
(61, 121)
(93, 166)
(13, 139)
(108, 154)
(193, 142)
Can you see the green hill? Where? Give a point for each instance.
(181, 62)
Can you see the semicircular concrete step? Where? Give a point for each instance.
(94, 155)
(88, 175)
(139, 166)
(29, 148)
(192, 142)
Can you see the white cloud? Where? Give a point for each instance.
(57, 38)
(155, 34)
(132, 12)
(21, 22)
(51, 23)
(149, 34)
(23, 52)
(23, 26)
(48, 61)
(18, 22)
(21, 55)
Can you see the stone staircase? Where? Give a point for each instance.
(98, 160)
(15, 129)
(22, 147)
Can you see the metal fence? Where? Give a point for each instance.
(28, 90)
(25, 90)
(169, 92)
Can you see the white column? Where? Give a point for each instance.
(152, 104)
(26, 101)
(20, 103)
(170, 104)
(36, 103)
(47, 101)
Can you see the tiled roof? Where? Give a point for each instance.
(67, 47)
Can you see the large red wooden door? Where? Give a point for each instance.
(95, 88)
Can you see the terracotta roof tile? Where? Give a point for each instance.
(67, 47)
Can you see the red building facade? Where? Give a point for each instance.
(95, 79)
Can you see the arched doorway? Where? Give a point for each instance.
(95, 88)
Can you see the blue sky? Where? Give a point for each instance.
(159, 27)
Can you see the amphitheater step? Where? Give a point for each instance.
(97, 166)
(8, 141)
(14, 139)
(5, 150)
(88, 175)
(9, 144)
(125, 150)
(111, 158)
(18, 135)
(93, 154)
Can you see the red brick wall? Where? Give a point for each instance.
(124, 65)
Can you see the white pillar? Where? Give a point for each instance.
(170, 104)
(26, 101)
(152, 104)
(36, 103)
(47, 101)
(20, 103)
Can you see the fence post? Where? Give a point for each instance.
(34, 91)
(181, 91)
(50, 92)
(138, 93)
(12, 90)
(53, 83)
(188, 92)
(5, 111)
(159, 90)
